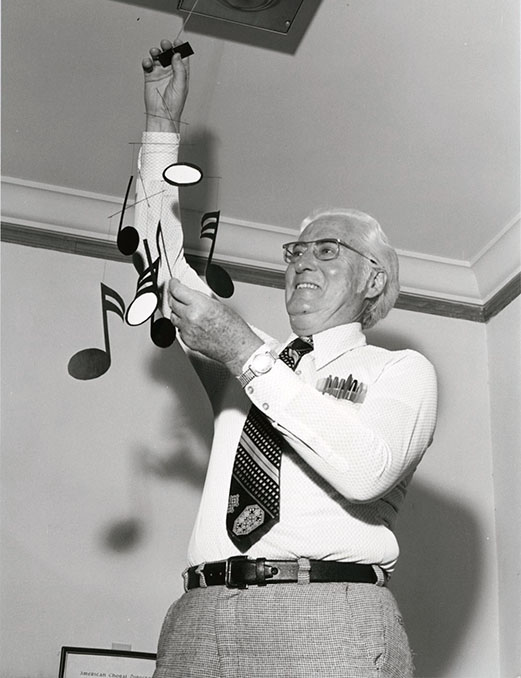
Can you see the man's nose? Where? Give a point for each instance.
(306, 261)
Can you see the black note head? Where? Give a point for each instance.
(90, 363)
(219, 281)
(162, 332)
(128, 240)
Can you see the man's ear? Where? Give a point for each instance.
(376, 284)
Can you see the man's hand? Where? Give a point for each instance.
(166, 89)
(208, 326)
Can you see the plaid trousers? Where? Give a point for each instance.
(327, 630)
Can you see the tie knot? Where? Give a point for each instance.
(295, 350)
(302, 344)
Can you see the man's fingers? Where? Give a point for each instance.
(147, 64)
(165, 44)
(180, 67)
(185, 63)
(176, 311)
(180, 293)
(181, 71)
(175, 318)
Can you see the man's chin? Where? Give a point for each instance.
(304, 323)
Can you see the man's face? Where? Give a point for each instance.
(323, 294)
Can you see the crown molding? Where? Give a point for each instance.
(63, 219)
(499, 260)
(21, 234)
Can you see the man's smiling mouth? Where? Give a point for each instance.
(306, 286)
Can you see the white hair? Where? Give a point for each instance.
(367, 236)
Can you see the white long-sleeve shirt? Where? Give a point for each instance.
(346, 473)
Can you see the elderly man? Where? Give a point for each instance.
(315, 442)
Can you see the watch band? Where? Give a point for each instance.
(246, 377)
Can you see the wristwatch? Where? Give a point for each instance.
(261, 363)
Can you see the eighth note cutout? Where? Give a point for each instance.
(217, 278)
(91, 363)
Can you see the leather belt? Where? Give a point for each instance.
(241, 572)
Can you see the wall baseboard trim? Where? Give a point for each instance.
(20, 234)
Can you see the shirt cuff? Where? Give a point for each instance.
(159, 150)
(160, 138)
(273, 392)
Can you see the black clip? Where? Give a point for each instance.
(165, 57)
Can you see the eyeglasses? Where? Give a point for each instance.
(324, 249)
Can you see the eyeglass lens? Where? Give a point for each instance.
(322, 249)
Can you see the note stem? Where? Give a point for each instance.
(212, 247)
(105, 309)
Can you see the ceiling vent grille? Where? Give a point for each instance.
(269, 15)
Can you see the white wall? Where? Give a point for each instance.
(504, 342)
(446, 581)
(82, 461)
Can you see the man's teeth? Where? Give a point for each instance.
(310, 286)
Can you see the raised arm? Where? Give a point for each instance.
(157, 202)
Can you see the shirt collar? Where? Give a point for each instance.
(335, 341)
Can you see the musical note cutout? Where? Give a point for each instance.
(160, 244)
(91, 363)
(182, 174)
(138, 262)
(128, 237)
(162, 331)
(165, 58)
(217, 278)
(147, 293)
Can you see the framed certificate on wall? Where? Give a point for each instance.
(90, 662)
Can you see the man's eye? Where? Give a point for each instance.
(326, 249)
(298, 250)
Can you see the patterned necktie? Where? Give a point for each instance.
(253, 504)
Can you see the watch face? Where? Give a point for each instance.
(262, 363)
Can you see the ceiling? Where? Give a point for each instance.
(406, 109)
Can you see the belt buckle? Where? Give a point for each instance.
(228, 575)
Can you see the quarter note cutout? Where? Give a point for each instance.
(91, 363)
(182, 174)
(165, 58)
(162, 330)
(128, 237)
(217, 278)
(147, 293)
